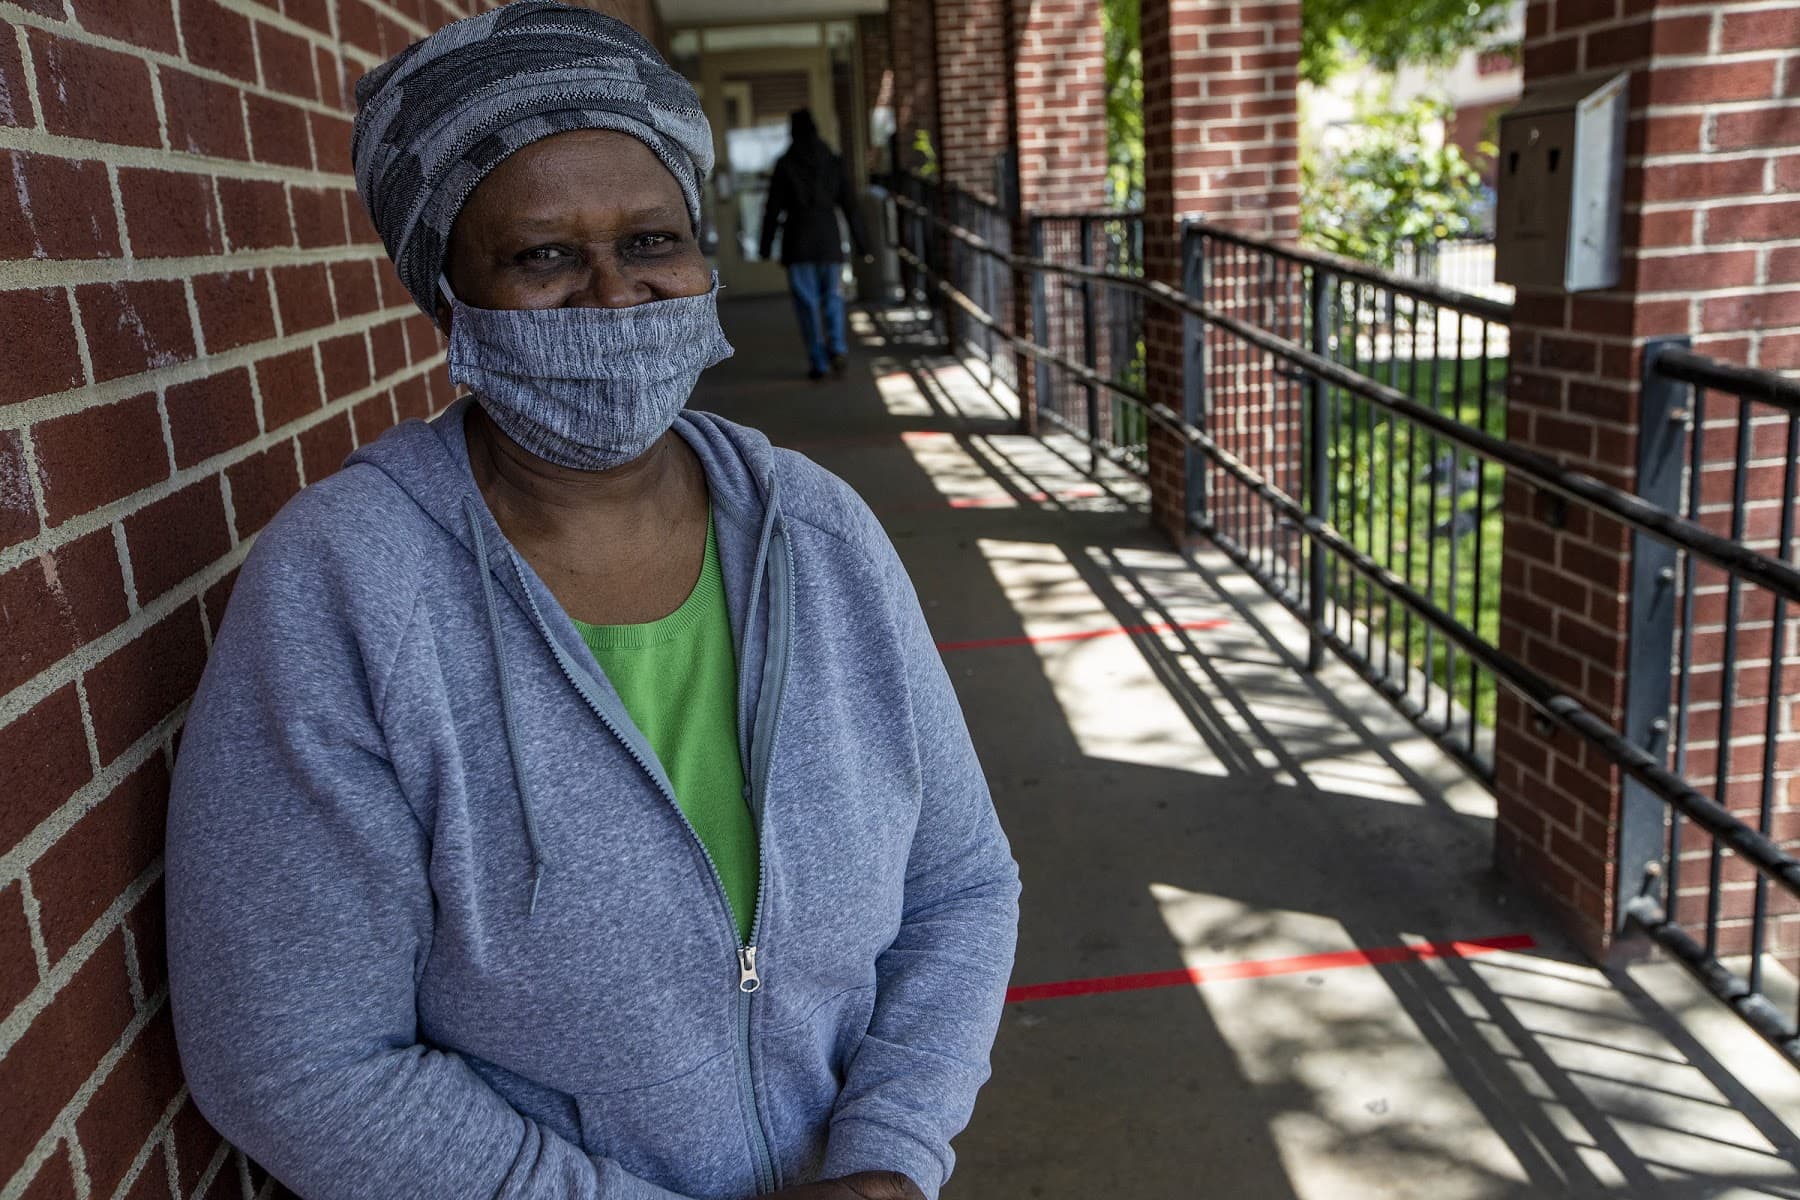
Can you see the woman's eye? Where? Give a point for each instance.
(654, 241)
(538, 254)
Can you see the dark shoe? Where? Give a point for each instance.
(815, 374)
(839, 364)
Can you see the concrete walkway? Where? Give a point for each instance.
(1230, 866)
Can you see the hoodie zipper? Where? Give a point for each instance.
(749, 974)
(781, 599)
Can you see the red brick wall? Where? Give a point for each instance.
(972, 100)
(915, 78)
(1220, 142)
(198, 320)
(1060, 84)
(1711, 237)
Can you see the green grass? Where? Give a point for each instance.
(1386, 503)
(1391, 519)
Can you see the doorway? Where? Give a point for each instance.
(748, 95)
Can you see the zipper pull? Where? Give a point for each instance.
(748, 979)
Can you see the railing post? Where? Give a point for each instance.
(1318, 460)
(1650, 635)
(942, 249)
(1194, 365)
(1088, 356)
(1040, 321)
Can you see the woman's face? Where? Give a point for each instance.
(588, 219)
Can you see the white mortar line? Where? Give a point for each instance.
(29, 1009)
(28, 455)
(118, 205)
(43, 272)
(156, 158)
(32, 692)
(124, 553)
(34, 924)
(180, 33)
(29, 69)
(84, 1183)
(134, 966)
(219, 1160)
(73, 666)
(194, 326)
(230, 532)
(158, 1132)
(170, 1167)
(27, 19)
(22, 413)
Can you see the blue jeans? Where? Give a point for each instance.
(820, 309)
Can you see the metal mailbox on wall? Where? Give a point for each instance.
(1562, 167)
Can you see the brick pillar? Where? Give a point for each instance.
(1711, 249)
(1059, 63)
(915, 75)
(1220, 142)
(198, 319)
(972, 91)
(1057, 94)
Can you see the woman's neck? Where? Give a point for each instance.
(623, 540)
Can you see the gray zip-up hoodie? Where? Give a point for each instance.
(437, 928)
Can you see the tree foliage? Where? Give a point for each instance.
(1124, 102)
(1389, 186)
(1387, 33)
(1334, 34)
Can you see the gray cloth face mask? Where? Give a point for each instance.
(586, 388)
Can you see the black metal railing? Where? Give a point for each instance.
(1711, 658)
(984, 279)
(1420, 504)
(1242, 334)
(1465, 264)
(1100, 327)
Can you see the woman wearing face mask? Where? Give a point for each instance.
(574, 804)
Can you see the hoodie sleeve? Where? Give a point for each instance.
(299, 908)
(941, 984)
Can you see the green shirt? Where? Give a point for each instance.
(678, 678)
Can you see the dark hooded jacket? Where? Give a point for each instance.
(809, 184)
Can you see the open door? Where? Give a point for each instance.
(748, 96)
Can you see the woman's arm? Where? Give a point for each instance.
(300, 914)
(941, 984)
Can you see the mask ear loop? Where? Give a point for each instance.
(444, 289)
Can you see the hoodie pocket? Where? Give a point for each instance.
(802, 1068)
(686, 1133)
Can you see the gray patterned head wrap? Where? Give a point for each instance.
(433, 120)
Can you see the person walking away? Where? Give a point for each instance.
(810, 183)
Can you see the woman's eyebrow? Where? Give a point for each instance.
(545, 222)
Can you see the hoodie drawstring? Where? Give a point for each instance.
(501, 667)
(770, 508)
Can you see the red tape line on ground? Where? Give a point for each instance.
(1263, 968)
(1082, 635)
(1079, 493)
